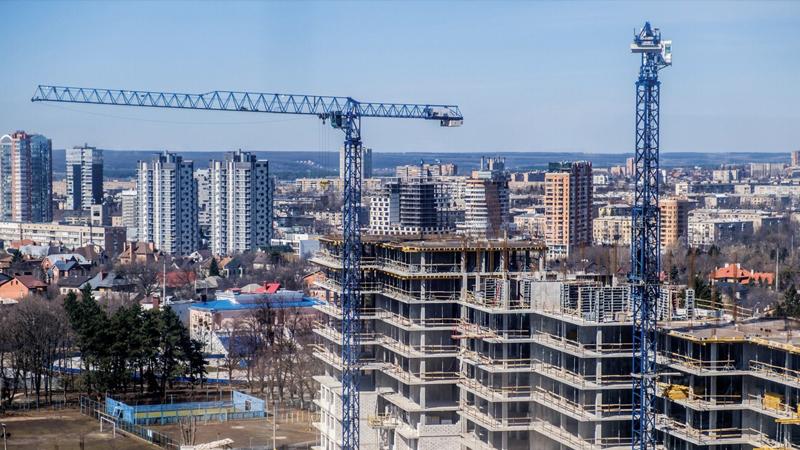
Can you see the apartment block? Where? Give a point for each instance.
(112, 239)
(202, 176)
(611, 230)
(84, 176)
(411, 206)
(714, 226)
(731, 385)
(366, 163)
(568, 206)
(166, 212)
(241, 193)
(675, 220)
(26, 178)
(486, 199)
(128, 200)
(412, 297)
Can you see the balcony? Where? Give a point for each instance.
(408, 377)
(418, 324)
(418, 351)
(418, 296)
(471, 412)
(569, 440)
(335, 311)
(715, 436)
(698, 366)
(774, 373)
(605, 350)
(335, 286)
(496, 364)
(583, 381)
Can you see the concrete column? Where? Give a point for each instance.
(712, 415)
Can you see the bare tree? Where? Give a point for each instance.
(145, 276)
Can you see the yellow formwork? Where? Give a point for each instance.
(772, 401)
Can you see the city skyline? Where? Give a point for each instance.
(557, 91)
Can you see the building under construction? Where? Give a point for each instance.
(469, 344)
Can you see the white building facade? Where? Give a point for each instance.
(167, 204)
(84, 177)
(241, 193)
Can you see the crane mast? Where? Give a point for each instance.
(645, 229)
(344, 113)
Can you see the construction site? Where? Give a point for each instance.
(469, 344)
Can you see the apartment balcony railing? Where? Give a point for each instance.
(590, 350)
(335, 286)
(694, 364)
(444, 323)
(418, 296)
(335, 336)
(408, 377)
(495, 364)
(495, 393)
(775, 373)
(417, 351)
(575, 442)
(482, 418)
(584, 380)
(335, 311)
(717, 436)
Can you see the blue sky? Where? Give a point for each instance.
(537, 76)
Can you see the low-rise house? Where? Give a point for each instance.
(21, 286)
(139, 252)
(65, 265)
(72, 284)
(108, 284)
(735, 274)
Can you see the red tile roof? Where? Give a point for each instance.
(733, 273)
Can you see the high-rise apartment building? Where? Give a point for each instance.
(26, 178)
(202, 176)
(437, 169)
(486, 199)
(795, 158)
(84, 177)
(241, 204)
(412, 206)
(568, 206)
(167, 204)
(366, 163)
(128, 202)
(675, 220)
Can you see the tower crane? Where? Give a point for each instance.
(344, 113)
(656, 54)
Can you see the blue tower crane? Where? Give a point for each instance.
(656, 54)
(344, 113)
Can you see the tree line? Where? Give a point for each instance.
(127, 350)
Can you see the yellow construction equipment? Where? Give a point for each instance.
(677, 392)
(772, 401)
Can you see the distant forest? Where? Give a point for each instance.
(294, 164)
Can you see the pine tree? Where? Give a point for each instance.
(213, 268)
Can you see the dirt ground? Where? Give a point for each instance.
(62, 430)
(249, 433)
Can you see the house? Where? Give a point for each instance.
(231, 267)
(735, 274)
(107, 284)
(139, 252)
(20, 286)
(72, 284)
(64, 265)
